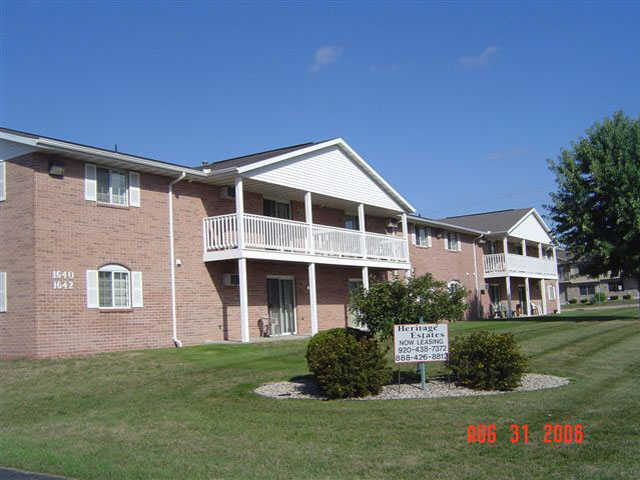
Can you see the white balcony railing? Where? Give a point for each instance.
(269, 233)
(513, 264)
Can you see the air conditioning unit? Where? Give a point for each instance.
(231, 279)
(228, 192)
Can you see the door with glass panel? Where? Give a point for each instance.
(354, 284)
(281, 303)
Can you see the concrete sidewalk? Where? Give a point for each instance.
(11, 474)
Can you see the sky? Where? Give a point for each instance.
(458, 106)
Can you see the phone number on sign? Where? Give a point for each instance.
(553, 433)
(421, 357)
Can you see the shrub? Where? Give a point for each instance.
(613, 297)
(573, 300)
(487, 361)
(584, 300)
(598, 297)
(626, 297)
(347, 363)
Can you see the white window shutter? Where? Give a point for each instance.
(92, 289)
(429, 236)
(136, 289)
(446, 241)
(459, 242)
(90, 182)
(3, 291)
(134, 189)
(3, 180)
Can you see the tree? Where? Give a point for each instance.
(388, 303)
(596, 209)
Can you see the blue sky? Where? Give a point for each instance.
(458, 107)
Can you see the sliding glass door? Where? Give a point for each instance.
(281, 302)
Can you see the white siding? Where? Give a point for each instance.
(531, 229)
(327, 172)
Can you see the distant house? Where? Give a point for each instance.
(574, 285)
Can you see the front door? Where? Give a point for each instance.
(522, 299)
(354, 284)
(281, 301)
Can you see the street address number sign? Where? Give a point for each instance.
(420, 342)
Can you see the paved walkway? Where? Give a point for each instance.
(11, 474)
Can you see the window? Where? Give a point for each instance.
(3, 291)
(351, 222)
(273, 208)
(494, 293)
(552, 292)
(3, 180)
(587, 290)
(452, 241)
(112, 187)
(113, 286)
(492, 245)
(616, 286)
(423, 236)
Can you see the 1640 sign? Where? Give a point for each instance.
(421, 342)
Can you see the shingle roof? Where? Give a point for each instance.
(498, 221)
(257, 157)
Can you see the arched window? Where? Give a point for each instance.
(114, 287)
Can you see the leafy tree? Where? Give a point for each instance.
(596, 209)
(388, 303)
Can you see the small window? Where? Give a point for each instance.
(231, 279)
(114, 290)
(452, 241)
(552, 292)
(423, 236)
(351, 222)
(112, 187)
(492, 246)
(272, 208)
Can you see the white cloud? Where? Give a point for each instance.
(325, 56)
(481, 60)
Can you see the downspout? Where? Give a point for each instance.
(172, 259)
(475, 274)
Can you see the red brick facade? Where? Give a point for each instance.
(48, 226)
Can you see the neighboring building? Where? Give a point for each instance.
(103, 251)
(574, 285)
(506, 259)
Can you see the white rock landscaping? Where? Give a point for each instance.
(308, 389)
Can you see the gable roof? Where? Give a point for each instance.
(236, 165)
(498, 221)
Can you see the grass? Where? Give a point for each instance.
(606, 303)
(192, 413)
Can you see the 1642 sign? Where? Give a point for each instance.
(421, 342)
(63, 280)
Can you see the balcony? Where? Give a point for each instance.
(275, 238)
(500, 265)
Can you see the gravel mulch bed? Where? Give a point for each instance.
(307, 388)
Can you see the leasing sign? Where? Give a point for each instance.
(420, 342)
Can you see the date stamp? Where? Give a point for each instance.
(556, 433)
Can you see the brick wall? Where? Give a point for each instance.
(17, 325)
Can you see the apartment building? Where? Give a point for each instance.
(103, 251)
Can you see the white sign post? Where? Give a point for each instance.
(420, 343)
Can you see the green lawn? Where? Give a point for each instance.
(192, 413)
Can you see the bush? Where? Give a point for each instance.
(613, 297)
(626, 297)
(598, 297)
(347, 363)
(573, 300)
(487, 361)
(584, 300)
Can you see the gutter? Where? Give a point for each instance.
(172, 260)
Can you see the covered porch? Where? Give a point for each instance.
(522, 296)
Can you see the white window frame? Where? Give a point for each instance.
(427, 236)
(111, 173)
(447, 241)
(551, 290)
(354, 219)
(115, 269)
(3, 292)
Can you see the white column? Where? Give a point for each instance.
(527, 297)
(539, 250)
(361, 227)
(508, 280)
(505, 249)
(524, 247)
(240, 211)
(558, 293)
(244, 300)
(313, 298)
(365, 278)
(544, 296)
(308, 215)
(405, 235)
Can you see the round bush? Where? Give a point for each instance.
(487, 361)
(347, 363)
